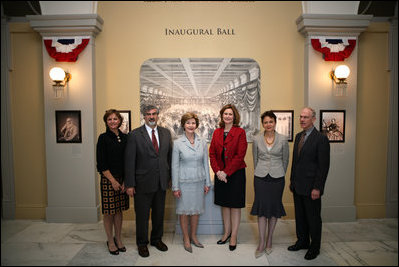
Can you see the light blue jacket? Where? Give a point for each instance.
(273, 161)
(190, 163)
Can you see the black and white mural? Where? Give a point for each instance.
(202, 86)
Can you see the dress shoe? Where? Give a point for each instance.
(160, 245)
(198, 245)
(297, 247)
(114, 252)
(312, 254)
(259, 254)
(143, 251)
(122, 249)
(233, 247)
(188, 249)
(221, 242)
(269, 251)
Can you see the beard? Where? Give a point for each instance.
(152, 123)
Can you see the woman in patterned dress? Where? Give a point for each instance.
(110, 164)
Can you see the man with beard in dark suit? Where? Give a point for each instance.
(147, 164)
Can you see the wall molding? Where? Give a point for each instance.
(392, 149)
(7, 152)
(342, 25)
(66, 25)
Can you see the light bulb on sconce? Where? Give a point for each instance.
(60, 79)
(340, 74)
(339, 77)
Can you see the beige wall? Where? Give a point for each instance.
(372, 122)
(134, 32)
(27, 109)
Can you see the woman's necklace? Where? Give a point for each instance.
(272, 140)
(190, 140)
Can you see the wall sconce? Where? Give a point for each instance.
(60, 79)
(339, 76)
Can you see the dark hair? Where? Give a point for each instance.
(109, 112)
(147, 108)
(236, 120)
(269, 114)
(187, 116)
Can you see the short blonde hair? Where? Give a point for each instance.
(187, 116)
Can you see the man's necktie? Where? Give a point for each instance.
(301, 142)
(154, 141)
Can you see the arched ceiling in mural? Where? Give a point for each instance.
(196, 77)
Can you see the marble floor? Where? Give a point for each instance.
(37, 243)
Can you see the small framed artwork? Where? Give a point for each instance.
(68, 126)
(125, 127)
(285, 123)
(332, 124)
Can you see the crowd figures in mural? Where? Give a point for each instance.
(202, 86)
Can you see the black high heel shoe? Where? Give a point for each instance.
(122, 249)
(233, 247)
(221, 242)
(115, 252)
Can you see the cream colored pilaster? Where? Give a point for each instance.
(72, 189)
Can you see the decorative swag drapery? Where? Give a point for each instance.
(245, 97)
(334, 49)
(65, 49)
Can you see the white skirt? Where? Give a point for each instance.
(192, 200)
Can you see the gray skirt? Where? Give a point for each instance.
(192, 200)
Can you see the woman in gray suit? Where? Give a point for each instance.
(270, 154)
(190, 178)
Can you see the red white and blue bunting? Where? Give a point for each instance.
(334, 49)
(65, 49)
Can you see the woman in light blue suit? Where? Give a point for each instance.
(270, 154)
(190, 178)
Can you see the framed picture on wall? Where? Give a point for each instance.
(332, 124)
(125, 127)
(285, 123)
(68, 126)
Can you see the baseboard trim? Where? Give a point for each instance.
(72, 214)
(392, 210)
(338, 213)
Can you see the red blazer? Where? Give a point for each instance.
(235, 147)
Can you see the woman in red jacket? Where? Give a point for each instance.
(226, 153)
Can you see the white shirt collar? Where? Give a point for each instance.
(149, 129)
